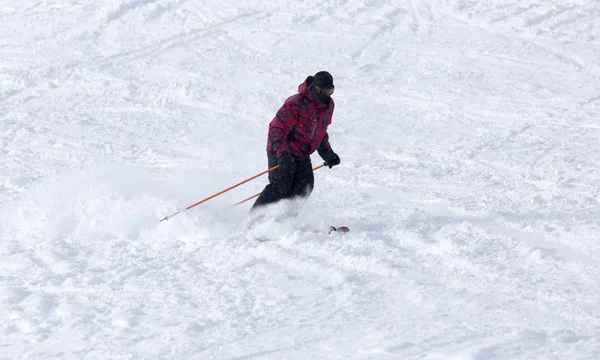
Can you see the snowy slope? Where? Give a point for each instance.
(469, 133)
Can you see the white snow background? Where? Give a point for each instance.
(469, 133)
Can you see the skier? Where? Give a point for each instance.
(298, 129)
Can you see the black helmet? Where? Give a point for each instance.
(324, 80)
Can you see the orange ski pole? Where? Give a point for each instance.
(219, 193)
(248, 198)
(255, 195)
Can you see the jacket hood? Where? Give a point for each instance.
(305, 90)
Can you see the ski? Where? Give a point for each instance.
(340, 229)
(332, 229)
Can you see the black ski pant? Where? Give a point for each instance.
(298, 182)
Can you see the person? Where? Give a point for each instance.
(298, 130)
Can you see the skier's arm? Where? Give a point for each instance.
(327, 153)
(281, 127)
(324, 148)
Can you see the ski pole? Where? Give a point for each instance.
(219, 193)
(255, 195)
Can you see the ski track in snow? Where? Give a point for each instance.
(468, 132)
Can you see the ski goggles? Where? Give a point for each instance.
(325, 91)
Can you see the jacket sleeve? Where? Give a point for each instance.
(324, 149)
(282, 126)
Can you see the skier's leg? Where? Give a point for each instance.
(304, 181)
(279, 187)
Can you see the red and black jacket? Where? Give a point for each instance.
(300, 126)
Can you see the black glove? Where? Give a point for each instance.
(286, 163)
(333, 161)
